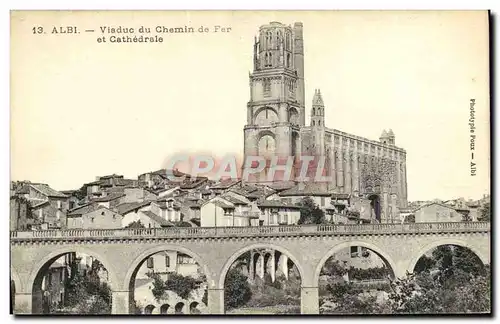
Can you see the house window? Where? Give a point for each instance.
(451, 214)
(150, 263)
(183, 259)
(354, 251)
(322, 201)
(167, 261)
(59, 204)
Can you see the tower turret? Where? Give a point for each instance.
(388, 137)
(318, 110)
(391, 137)
(275, 111)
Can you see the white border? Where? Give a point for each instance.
(8, 5)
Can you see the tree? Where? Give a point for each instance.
(237, 290)
(457, 282)
(310, 213)
(347, 299)
(426, 293)
(86, 294)
(424, 264)
(333, 268)
(181, 285)
(136, 224)
(485, 213)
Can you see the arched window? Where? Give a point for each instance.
(314, 123)
(314, 111)
(288, 60)
(319, 122)
(167, 261)
(270, 59)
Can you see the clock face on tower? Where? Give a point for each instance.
(267, 146)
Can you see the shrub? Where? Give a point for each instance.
(237, 290)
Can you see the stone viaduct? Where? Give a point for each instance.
(122, 251)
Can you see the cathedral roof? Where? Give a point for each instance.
(384, 134)
(390, 132)
(317, 99)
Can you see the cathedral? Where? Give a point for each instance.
(369, 169)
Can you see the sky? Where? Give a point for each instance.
(81, 109)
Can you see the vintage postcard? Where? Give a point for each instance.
(250, 162)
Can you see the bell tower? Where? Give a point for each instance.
(275, 111)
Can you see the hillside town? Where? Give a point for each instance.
(154, 201)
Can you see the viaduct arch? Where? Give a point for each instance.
(121, 251)
(485, 259)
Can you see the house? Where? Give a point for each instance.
(277, 212)
(316, 191)
(336, 213)
(130, 211)
(190, 208)
(159, 178)
(151, 220)
(167, 208)
(359, 257)
(223, 185)
(252, 192)
(407, 215)
(470, 209)
(109, 200)
(73, 199)
(49, 206)
(228, 211)
(437, 212)
(162, 179)
(21, 218)
(93, 189)
(108, 184)
(141, 212)
(115, 180)
(168, 191)
(136, 194)
(193, 183)
(53, 285)
(94, 216)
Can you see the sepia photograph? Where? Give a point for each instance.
(240, 163)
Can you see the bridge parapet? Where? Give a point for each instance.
(286, 230)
